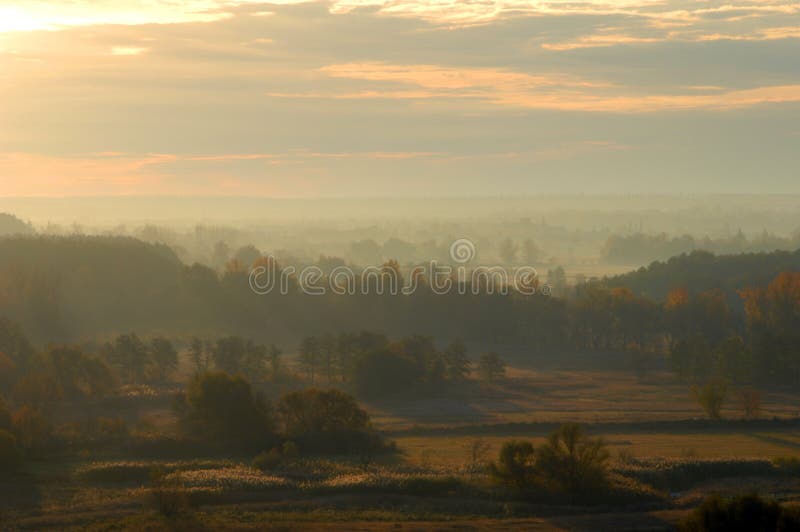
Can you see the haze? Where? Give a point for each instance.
(400, 99)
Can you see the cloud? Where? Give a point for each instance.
(119, 173)
(127, 50)
(594, 41)
(354, 97)
(551, 92)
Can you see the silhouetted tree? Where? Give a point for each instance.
(491, 367)
(711, 396)
(515, 465)
(456, 360)
(199, 355)
(130, 355)
(572, 461)
(221, 407)
(164, 357)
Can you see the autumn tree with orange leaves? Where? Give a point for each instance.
(773, 322)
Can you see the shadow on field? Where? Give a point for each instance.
(777, 441)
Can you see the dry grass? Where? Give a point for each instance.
(454, 450)
(584, 396)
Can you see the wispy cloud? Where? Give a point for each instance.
(127, 50)
(556, 91)
(287, 97)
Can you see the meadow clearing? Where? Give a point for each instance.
(665, 457)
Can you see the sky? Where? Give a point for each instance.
(404, 98)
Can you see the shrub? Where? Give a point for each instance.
(10, 457)
(750, 401)
(170, 501)
(268, 459)
(788, 465)
(682, 473)
(168, 498)
(743, 513)
(326, 421)
(711, 397)
(573, 462)
(515, 465)
(222, 408)
(316, 411)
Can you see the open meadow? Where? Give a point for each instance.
(664, 458)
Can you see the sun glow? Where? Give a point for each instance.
(16, 19)
(50, 15)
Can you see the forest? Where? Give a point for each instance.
(206, 394)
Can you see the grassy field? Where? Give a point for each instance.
(580, 395)
(711, 443)
(667, 455)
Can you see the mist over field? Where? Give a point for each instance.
(408, 265)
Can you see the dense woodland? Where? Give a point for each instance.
(94, 323)
(695, 309)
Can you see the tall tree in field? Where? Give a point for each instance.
(229, 354)
(199, 355)
(557, 279)
(773, 321)
(327, 347)
(310, 355)
(456, 361)
(255, 359)
(130, 355)
(164, 357)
